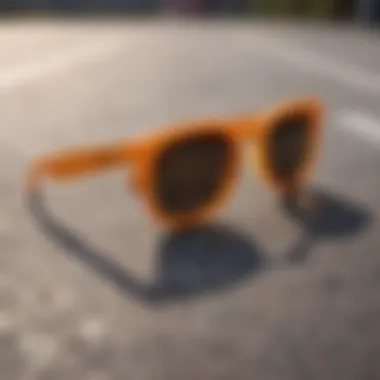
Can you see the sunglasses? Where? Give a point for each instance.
(186, 173)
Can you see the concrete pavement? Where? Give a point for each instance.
(91, 289)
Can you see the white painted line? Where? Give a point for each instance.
(54, 63)
(361, 124)
(342, 72)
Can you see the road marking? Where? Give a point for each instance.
(54, 63)
(344, 73)
(361, 124)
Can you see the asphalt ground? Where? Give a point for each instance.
(91, 288)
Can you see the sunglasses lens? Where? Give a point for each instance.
(289, 145)
(189, 172)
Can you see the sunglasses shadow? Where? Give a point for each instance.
(207, 259)
(187, 264)
(336, 218)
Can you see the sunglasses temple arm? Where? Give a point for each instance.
(76, 163)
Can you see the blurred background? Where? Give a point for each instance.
(358, 10)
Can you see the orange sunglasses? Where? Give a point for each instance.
(186, 173)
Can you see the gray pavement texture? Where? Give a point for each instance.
(90, 288)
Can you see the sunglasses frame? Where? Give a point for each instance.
(150, 151)
(267, 123)
(142, 155)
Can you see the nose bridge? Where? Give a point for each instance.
(246, 128)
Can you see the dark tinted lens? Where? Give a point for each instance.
(289, 144)
(190, 171)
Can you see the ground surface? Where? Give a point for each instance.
(259, 295)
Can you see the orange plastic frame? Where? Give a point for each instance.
(142, 154)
